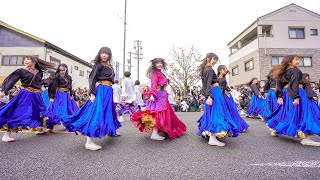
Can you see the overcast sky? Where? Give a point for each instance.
(81, 27)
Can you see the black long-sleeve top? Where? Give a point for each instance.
(270, 84)
(27, 78)
(223, 84)
(46, 82)
(209, 77)
(255, 89)
(291, 77)
(99, 72)
(59, 82)
(309, 90)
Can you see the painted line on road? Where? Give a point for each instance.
(305, 164)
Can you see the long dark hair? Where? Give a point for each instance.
(249, 83)
(220, 67)
(97, 59)
(41, 65)
(278, 70)
(58, 69)
(208, 58)
(304, 78)
(152, 67)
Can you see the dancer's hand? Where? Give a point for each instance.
(123, 98)
(209, 101)
(296, 102)
(92, 97)
(51, 100)
(280, 101)
(315, 98)
(151, 98)
(2, 94)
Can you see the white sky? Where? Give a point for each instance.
(82, 27)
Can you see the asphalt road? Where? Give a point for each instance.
(252, 155)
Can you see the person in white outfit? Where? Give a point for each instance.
(127, 104)
(171, 95)
(137, 90)
(117, 95)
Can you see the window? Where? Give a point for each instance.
(314, 32)
(234, 71)
(296, 33)
(88, 73)
(248, 65)
(55, 61)
(305, 61)
(81, 73)
(76, 68)
(276, 60)
(12, 60)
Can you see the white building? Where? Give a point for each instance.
(262, 45)
(14, 44)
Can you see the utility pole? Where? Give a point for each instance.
(138, 47)
(124, 37)
(129, 61)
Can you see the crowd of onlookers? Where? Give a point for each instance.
(193, 101)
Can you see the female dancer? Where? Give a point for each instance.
(137, 90)
(271, 103)
(27, 109)
(257, 106)
(216, 120)
(128, 103)
(97, 117)
(159, 116)
(312, 96)
(295, 116)
(59, 90)
(232, 107)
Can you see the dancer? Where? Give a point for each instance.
(295, 116)
(257, 106)
(117, 96)
(158, 116)
(216, 120)
(128, 104)
(59, 90)
(171, 95)
(312, 96)
(97, 117)
(45, 93)
(137, 90)
(271, 103)
(232, 107)
(26, 109)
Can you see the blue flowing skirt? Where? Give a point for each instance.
(216, 119)
(271, 103)
(74, 105)
(241, 123)
(61, 107)
(257, 106)
(25, 110)
(292, 120)
(46, 99)
(96, 119)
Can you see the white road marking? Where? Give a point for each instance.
(305, 164)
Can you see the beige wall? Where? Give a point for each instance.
(245, 76)
(293, 16)
(6, 70)
(78, 81)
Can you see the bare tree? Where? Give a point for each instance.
(182, 70)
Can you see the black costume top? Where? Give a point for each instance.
(209, 77)
(99, 72)
(223, 84)
(59, 82)
(27, 78)
(291, 77)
